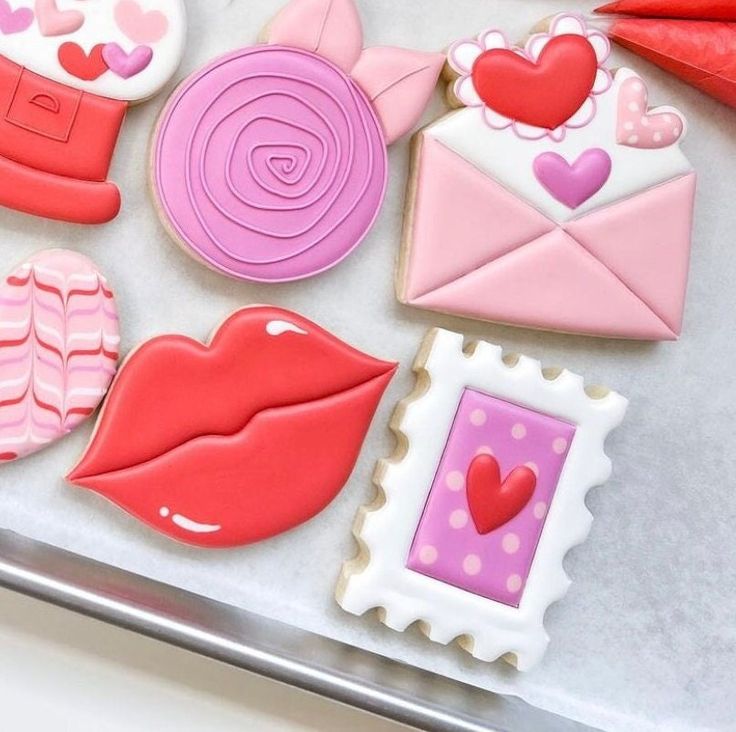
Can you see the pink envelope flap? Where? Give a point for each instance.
(645, 242)
(479, 250)
(459, 210)
(552, 283)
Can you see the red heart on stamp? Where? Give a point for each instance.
(544, 94)
(76, 62)
(493, 502)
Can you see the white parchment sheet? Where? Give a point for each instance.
(646, 637)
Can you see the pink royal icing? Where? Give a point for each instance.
(637, 127)
(59, 344)
(447, 545)
(261, 133)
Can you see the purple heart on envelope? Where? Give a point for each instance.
(573, 184)
(125, 64)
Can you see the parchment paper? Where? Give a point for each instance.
(646, 637)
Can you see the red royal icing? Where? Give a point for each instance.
(544, 94)
(493, 502)
(86, 66)
(236, 441)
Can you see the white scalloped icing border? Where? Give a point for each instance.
(378, 577)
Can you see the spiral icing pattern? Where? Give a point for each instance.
(270, 164)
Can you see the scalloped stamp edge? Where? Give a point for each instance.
(378, 577)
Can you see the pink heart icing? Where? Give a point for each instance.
(637, 127)
(14, 21)
(139, 26)
(125, 64)
(573, 184)
(55, 22)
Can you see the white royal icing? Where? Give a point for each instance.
(40, 53)
(386, 533)
(509, 159)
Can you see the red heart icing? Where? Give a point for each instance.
(544, 94)
(494, 503)
(76, 62)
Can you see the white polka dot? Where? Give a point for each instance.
(675, 131)
(657, 137)
(428, 554)
(518, 431)
(164, 512)
(559, 445)
(513, 583)
(644, 121)
(637, 86)
(458, 518)
(484, 450)
(472, 564)
(633, 107)
(540, 510)
(511, 543)
(668, 118)
(455, 480)
(633, 139)
(628, 126)
(478, 417)
(533, 467)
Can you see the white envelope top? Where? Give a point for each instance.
(121, 49)
(595, 142)
(503, 155)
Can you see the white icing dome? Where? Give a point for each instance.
(121, 49)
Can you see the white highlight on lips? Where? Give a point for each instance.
(279, 327)
(188, 524)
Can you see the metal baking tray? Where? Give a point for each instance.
(645, 638)
(266, 647)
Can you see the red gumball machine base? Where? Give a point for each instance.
(56, 145)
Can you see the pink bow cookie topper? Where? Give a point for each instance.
(398, 82)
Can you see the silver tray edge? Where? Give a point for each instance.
(263, 646)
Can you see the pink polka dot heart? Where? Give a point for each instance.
(641, 128)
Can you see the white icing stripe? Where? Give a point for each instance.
(188, 525)
(279, 327)
(15, 323)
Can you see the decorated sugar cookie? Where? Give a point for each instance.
(270, 163)
(59, 346)
(68, 71)
(237, 440)
(482, 501)
(567, 198)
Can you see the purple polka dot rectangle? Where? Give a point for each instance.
(447, 545)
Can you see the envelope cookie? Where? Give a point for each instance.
(231, 442)
(68, 72)
(270, 163)
(554, 197)
(482, 500)
(59, 344)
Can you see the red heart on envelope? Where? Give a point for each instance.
(492, 502)
(544, 94)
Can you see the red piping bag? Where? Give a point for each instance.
(687, 9)
(700, 52)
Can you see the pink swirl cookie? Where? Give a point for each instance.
(270, 163)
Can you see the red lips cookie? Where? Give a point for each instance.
(229, 443)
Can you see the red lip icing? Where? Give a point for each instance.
(229, 443)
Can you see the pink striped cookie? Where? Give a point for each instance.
(59, 346)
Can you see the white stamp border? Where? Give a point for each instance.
(379, 578)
